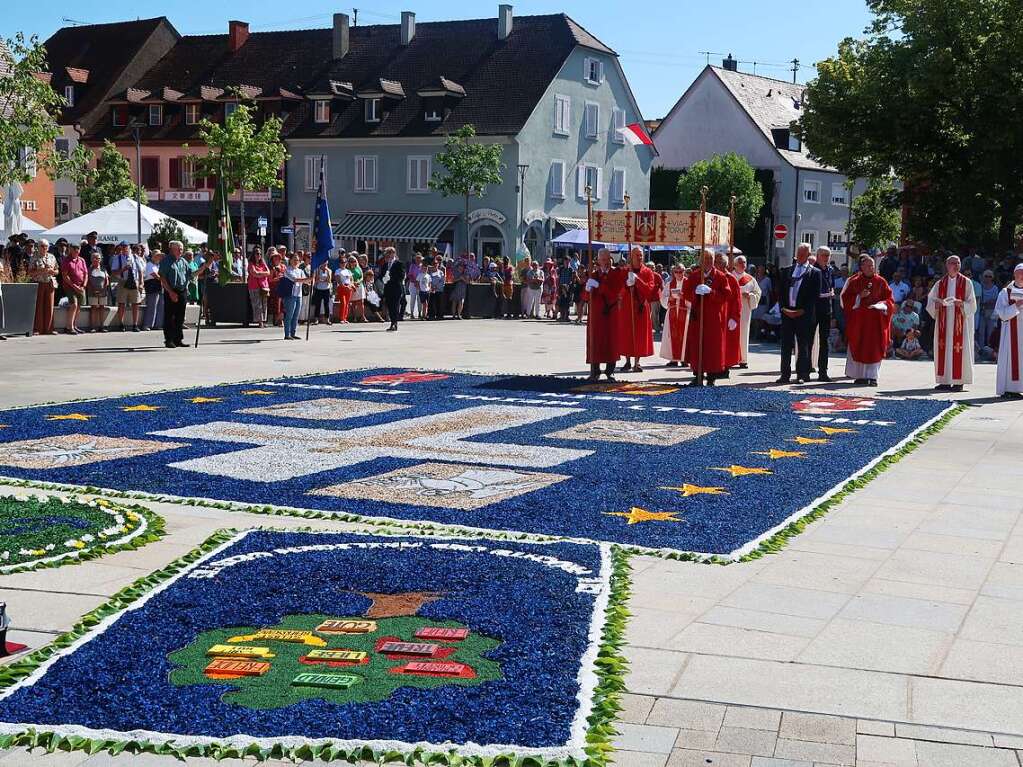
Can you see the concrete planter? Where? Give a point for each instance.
(19, 309)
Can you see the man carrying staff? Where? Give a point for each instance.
(1009, 308)
(676, 321)
(604, 289)
(867, 302)
(749, 296)
(952, 303)
(708, 291)
(636, 332)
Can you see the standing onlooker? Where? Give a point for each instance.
(394, 286)
(275, 306)
(153, 316)
(258, 283)
(900, 287)
(415, 307)
(566, 289)
(581, 296)
(436, 290)
(425, 288)
(97, 292)
(986, 301)
(825, 304)
(889, 264)
(321, 293)
(128, 269)
(292, 303)
(532, 283)
(344, 287)
(799, 289)
(43, 271)
(195, 262)
(549, 289)
(173, 273)
(74, 274)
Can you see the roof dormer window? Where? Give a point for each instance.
(321, 110)
(433, 115)
(156, 114)
(593, 71)
(191, 114)
(120, 116)
(373, 109)
(230, 108)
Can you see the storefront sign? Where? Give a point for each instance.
(487, 214)
(194, 195)
(659, 227)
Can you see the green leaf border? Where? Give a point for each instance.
(155, 530)
(610, 667)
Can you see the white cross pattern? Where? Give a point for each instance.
(286, 452)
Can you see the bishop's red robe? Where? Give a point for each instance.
(867, 330)
(714, 309)
(636, 331)
(733, 347)
(603, 329)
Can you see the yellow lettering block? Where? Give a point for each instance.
(281, 635)
(342, 626)
(238, 651)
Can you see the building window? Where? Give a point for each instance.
(120, 116)
(795, 145)
(373, 110)
(838, 240)
(617, 125)
(365, 174)
(419, 174)
(839, 194)
(27, 160)
(617, 191)
(591, 176)
(230, 108)
(592, 119)
(808, 237)
(321, 110)
(312, 171)
(69, 95)
(156, 114)
(182, 172)
(562, 115)
(557, 180)
(62, 208)
(812, 191)
(150, 172)
(593, 71)
(433, 115)
(63, 147)
(191, 114)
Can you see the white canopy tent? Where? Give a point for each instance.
(28, 226)
(116, 222)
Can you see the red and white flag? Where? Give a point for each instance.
(636, 134)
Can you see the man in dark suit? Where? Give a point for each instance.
(799, 289)
(825, 308)
(394, 287)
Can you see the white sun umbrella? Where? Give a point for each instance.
(12, 209)
(116, 222)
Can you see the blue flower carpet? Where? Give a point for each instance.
(349, 641)
(710, 471)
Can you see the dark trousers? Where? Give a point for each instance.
(436, 305)
(796, 331)
(393, 301)
(822, 326)
(174, 318)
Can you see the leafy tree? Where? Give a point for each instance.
(165, 231)
(469, 168)
(246, 156)
(109, 181)
(876, 218)
(29, 117)
(932, 93)
(724, 175)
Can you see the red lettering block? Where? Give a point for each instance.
(442, 634)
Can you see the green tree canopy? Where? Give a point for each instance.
(933, 93)
(109, 181)
(469, 167)
(876, 218)
(29, 115)
(724, 175)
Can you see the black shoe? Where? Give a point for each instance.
(726, 374)
(627, 368)
(134, 328)
(860, 382)
(782, 380)
(872, 382)
(672, 364)
(169, 345)
(958, 387)
(742, 366)
(824, 377)
(611, 378)
(802, 380)
(1012, 395)
(942, 387)
(180, 344)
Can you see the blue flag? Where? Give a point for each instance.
(323, 234)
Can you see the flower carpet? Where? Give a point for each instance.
(341, 645)
(697, 472)
(48, 532)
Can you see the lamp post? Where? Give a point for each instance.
(136, 126)
(521, 190)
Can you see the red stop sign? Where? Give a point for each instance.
(781, 232)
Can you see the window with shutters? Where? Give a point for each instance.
(593, 71)
(617, 125)
(812, 191)
(27, 160)
(617, 191)
(808, 237)
(592, 119)
(419, 174)
(312, 172)
(69, 95)
(156, 114)
(562, 115)
(366, 173)
(839, 195)
(191, 114)
(151, 173)
(119, 115)
(557, 180)
(589, 176)
(186, 167)
(321, 110)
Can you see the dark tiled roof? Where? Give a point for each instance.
(103, 50)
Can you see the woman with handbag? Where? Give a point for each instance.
(289, 287)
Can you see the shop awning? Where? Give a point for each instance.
(403, 227)
(571, 223)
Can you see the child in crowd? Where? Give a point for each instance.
(910, 348)
(835, 341)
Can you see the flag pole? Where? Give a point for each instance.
(731, 231)
(703, 246)
(312, 277)
(589, 250)
(632, 288)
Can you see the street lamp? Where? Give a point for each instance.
(136, 126)
(520, 189)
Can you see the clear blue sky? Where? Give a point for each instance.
(659, 40)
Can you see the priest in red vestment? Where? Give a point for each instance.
(603, 292)
(868, 305)
(636, 331)
(708, 291)
(733, 351)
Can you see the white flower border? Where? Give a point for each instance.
(587, 678)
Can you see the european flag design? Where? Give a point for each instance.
(323, 233)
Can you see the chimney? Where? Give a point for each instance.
(730, 64)
(504, 21)
(408, 27)
(237, 34)
(340, 37)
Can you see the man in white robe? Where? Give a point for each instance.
(1009, 309)
(676, 321)
(749, 298)
(953, 303)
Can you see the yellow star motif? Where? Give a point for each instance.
(687, 490)
(263, 392)
(830, 430)
(809, 441)
(69, 417)
(201, 400)
(774, 453)
(635, 515)
(742, 471)
(140, 408)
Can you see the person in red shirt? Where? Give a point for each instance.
(708, 291)
(636, 332)
(74, 273)
(603, 330)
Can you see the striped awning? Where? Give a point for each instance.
(404, 227)
(571, 223)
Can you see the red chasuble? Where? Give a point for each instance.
(957, 328)
(603, 328)
(733, 355)
(868, 330)
(714, 307)
(636, 331)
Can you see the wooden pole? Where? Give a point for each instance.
(731, 232)
(703, 246)
(593, 269)
(632, 292)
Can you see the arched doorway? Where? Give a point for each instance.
(535, 240)
(488, 240)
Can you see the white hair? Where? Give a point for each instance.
(954, 258)
(44, 242)
(172, 243)
(804, 246)
(825, 250)
(739, 258)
